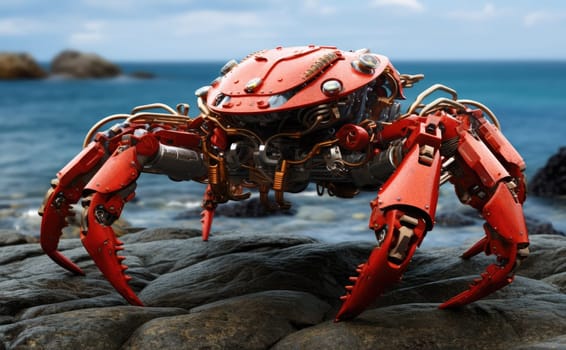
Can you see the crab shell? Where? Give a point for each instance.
(294, 77)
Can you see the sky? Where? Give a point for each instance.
(191, 30)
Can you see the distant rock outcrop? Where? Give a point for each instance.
(69, 64)
(19, 66)
(550, 180)
(76, 64)
(271, 291)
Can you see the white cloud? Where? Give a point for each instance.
(487, 12)
(18, 26)
(209, 21)
(540, 17)
(411, 5)
(114, 6)
(190, 29)
(319, 7)
(91, 33)
(184, 35)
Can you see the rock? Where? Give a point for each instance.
(538, 227)
(75, 64)
(11, 237)
(483, 325)
(100, 328)
(456, 219)
(550, 180)
(19, 66)
(253, 321)
(554, 343)
(304, 267)
(468, 216)
(280, 291)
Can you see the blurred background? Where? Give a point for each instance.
(508, 55)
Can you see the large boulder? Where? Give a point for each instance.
(262, 291)
(75, 64)
(19, 66)
(550, 180)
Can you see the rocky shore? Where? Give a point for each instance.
(271, 291)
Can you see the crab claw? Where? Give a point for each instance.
(375, 275)
(506, 237)
(101, 243)
(65, 191)
(54, 212)
(494, 278)
(386, 264)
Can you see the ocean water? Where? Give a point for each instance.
(43, 124)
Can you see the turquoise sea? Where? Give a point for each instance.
(43, 124)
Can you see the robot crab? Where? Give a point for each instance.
(284, 118)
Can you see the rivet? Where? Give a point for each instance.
(201, 92)
(228, 67)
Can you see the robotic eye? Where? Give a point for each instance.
(331, 87)
(366, 63)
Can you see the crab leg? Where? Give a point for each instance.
(65, 191)
(493, 183)
(106, 193)
(207, 213)
(506, 238)
(402, 213)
